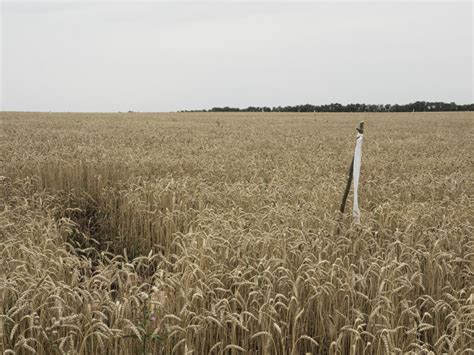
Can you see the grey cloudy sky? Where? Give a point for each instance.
(166, 56)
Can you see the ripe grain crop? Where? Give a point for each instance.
(215, 233)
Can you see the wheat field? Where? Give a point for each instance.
(220, 234)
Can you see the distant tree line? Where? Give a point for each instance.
(418, 106)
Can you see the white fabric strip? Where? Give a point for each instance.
(356, 173)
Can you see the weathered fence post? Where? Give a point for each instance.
(355, 167)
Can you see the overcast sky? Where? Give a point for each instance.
(168, 56)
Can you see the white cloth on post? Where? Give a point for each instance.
(356, 174)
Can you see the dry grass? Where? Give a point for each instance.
(214, 233)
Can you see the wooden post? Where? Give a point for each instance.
(360, 129)
(348, 187)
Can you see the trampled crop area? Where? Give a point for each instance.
(220, 233)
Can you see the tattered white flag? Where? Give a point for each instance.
(356, 173)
